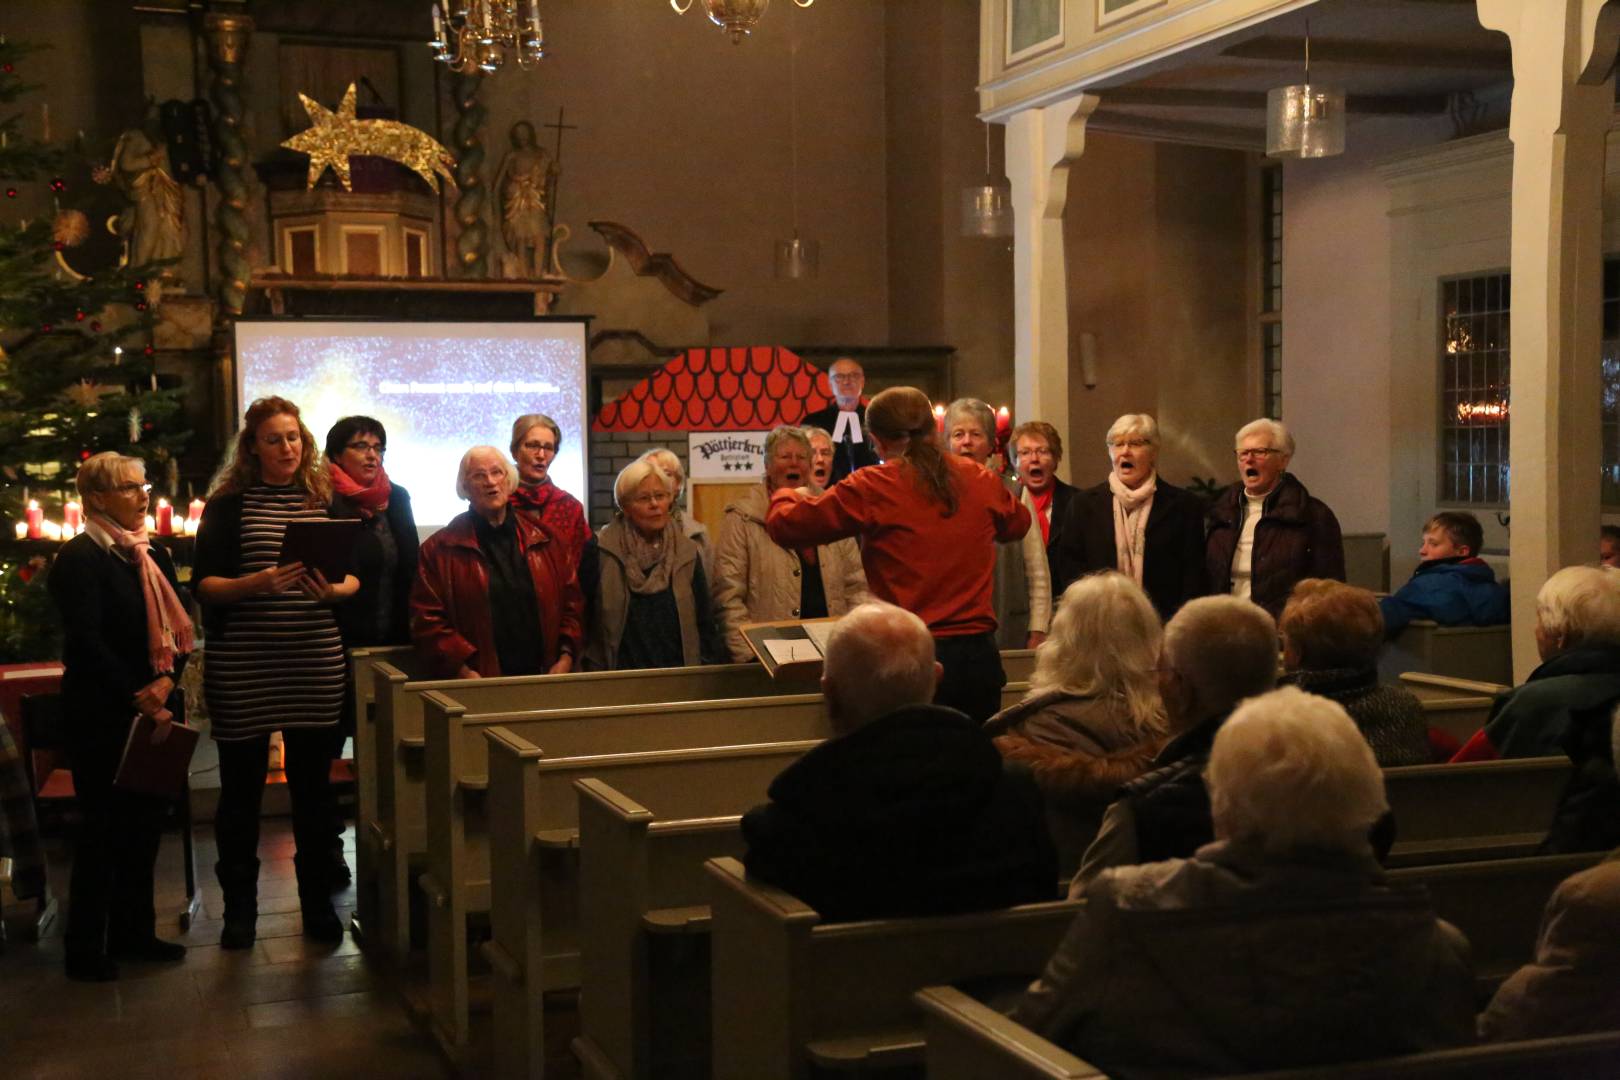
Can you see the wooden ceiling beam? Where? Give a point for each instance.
(1184, 98)
(1221, 136)
(1371, 54)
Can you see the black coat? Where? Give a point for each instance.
(912, 814)
(1297, 537)
(104, 649)
(847, 456)
(1062, 495)
(357, 617)
(1173, 549)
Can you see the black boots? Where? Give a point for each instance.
(315, 897)
(240, 884)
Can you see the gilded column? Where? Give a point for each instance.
(227, 56)
(472, 245)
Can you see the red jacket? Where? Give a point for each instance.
(941, 568)
(450, 621)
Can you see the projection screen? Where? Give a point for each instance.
(437, 387)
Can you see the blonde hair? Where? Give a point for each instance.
(461, 470)
(240, 469)
(1581, 604)
(1327, 624)
(1104, 643)
(631, 476)
(528, 422)
(99, 473)
(1291, 771)
(671, 465)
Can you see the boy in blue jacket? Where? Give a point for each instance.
(1452, 586)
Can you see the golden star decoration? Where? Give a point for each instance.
(332, 137)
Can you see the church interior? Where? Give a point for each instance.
(664, 223)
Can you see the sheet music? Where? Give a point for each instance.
(792, 650)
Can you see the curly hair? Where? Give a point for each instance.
(240, 468)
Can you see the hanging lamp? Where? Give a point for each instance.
(1305, 120)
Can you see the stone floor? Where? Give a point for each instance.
(285, 1008)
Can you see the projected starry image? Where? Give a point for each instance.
(438, 388)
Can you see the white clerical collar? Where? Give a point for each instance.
(849, 421)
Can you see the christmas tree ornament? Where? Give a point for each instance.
(332, 138)
(70, 228)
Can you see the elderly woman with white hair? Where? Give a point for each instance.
(1574, 691)
(495, 594)
(693, 529)
(1149, 530)
(647, 589)
(1280, 945)
(758, 580)
(1266, 533)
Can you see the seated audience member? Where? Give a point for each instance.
(1572, 987)
(758, 580)
(1023, 583)
(1267, 532)
(385, 555)
(1588, 813)
(494, 594)
(650, 595)
(1453, 586)
(1609, 546)
(535, 439)
(821, 456)
(1217, 651)
(1037, 452)
(1281, 945)
(1136, 523)
(1331, 634)
(690, 527)
(907, 809)
(1578, 681)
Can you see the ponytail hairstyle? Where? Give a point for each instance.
(903, 415)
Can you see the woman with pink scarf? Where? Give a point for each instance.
(1148, 530)
(126, 636)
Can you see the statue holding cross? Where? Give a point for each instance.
(527, 187)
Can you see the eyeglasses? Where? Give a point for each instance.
(1130, 444)
(494, 476)
(540, 447)
(131, 489)
(848, 377)
(1258, 452)
(651, 498)
(367, 448)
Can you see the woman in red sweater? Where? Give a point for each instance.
(929, 525)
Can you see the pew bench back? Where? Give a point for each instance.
(1480, 809)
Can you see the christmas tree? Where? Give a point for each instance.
(77, 368)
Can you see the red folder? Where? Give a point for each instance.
(156, 770)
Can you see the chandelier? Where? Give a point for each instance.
(476, 35)
(735, 17)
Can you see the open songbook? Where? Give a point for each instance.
(789, 649)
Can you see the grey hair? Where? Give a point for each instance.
(631, 476)
(99, 473)
(811, 431)
(1225, 647)
(1134, 423)
(1275, 430)
(461, 470)
(667, 460)
(528, 422)
(1103, 644)
(1582, 605)
(974, 409)
(1291, 771)
(789, 433)
(879, 658)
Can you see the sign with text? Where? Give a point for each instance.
(726, 456)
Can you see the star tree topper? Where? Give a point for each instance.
(332, 137)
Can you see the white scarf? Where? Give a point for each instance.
(1131, 510)
(849, 423)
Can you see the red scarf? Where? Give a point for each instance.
(370, 500)
(537, 497)
(1043, 510)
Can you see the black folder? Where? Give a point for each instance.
(156, 770)
(321, 544)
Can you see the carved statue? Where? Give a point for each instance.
(523, 182)
(153, 226)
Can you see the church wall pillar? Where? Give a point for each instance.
(1563, 56)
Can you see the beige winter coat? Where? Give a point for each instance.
(755, 580)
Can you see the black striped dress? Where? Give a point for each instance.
(280, 662)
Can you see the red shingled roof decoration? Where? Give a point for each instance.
(733, 389)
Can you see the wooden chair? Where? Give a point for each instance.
(791, 993)
(968, 1040)
(1477, 810)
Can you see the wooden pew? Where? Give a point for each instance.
(968, 1040)
(457, 777)
(1480, 809)
(1457, 706)
(366, 923)
(791, 993)
(1484, 653)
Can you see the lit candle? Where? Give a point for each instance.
(190, 527)
(22, 530)
(438, 26)
(939, 419)
(52, 531)
(151, 526)
(36, 519)
(194, 514)
(73, 515)
(1003, 424)
(165, 518)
